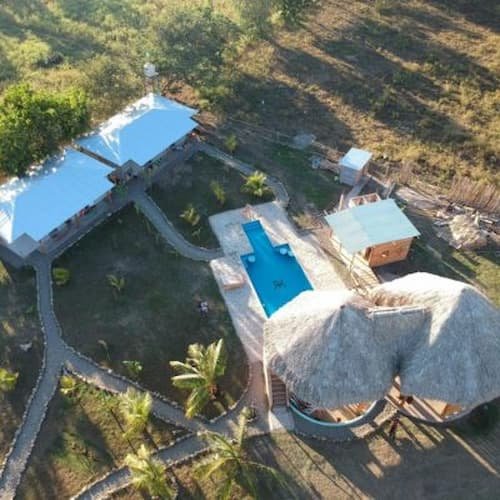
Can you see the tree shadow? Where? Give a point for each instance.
(368, 81)
(412, 466)
(410, 42)
(276, 105)
(35, 18)
(481, 12)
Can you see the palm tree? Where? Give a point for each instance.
(199, 374)
(219, 192)
(8, 380)
(135, 408)
(149, 474)
(117, 283)
(255, 184)
(190, 215)
(229, 462)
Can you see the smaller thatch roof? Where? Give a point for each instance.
(457, 358)
(323, 346)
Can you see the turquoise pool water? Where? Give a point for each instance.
(274, 271)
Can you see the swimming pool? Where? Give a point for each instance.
(275, 273)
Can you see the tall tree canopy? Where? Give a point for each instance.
(34, 123)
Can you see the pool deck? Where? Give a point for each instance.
(245, 309)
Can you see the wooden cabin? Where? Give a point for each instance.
(375, 229)
(353, 166)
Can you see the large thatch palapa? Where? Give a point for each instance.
(441, 337)
(330, 350)
(457, 360)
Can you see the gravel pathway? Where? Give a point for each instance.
(58, 354)
(167, 230)
(276, 185)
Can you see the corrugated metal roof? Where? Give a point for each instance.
(142, 131)
(355, 159)
(367, 225)
(39, 203)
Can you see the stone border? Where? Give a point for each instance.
(363, 431)
(123, 467)
(41, 374)
(155, 394)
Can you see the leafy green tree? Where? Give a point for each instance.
(61, 276)
(255, 184)
(254, 15)
(199, 374)
(292, 10)
(149, 474)
(110, 83)
(229, 465)
(135, 408)
(8, 380)
(219, 192)
(194, 44)
(34, 123)
(191, 215)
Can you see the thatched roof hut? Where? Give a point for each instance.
(327, 347)
(457, 358)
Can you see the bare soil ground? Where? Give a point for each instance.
(19, 325)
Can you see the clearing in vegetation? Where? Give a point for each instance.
(153, 316)
(19, 324)
(81, 440)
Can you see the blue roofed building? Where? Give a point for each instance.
(376, 229)
(35, 208)
(141, 133)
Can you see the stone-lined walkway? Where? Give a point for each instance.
(58, 355)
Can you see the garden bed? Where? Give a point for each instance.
(155, 317)
(190, 183)
(19, 325)
(80, 441)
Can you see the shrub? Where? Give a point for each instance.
(191, 215)
(218, 191)
(61, 276)
(117, 283)
(231, 143)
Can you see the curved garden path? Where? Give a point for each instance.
(58, 356)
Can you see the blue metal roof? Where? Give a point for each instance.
(142, 131)
(39, 203)
(371, 224)
(355, 159)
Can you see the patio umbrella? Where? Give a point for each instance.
(324, 346)
(457, 359)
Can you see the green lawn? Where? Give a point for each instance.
(18, 325)
(155, 318)
(189, 183)
(81, 441)
(305, 185)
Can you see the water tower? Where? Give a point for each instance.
(150, 77)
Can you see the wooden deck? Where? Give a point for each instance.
(340, 415)
(430, 410)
